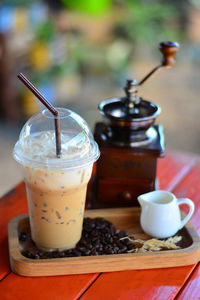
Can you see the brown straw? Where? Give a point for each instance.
(50, 108)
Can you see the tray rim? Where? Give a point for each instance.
(24, 266)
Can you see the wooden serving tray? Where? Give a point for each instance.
(124, 219)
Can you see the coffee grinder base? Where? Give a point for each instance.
(123, 173)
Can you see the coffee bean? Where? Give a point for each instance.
(93, 252)
(100, 226)
(130, 247)
(122, 234)
(93, 225)
(81, 243)
(87, 227)
(76, 253)
(117, 231)
(49, 255)
(68, 253)
(28, 254)
(110, 251)
(86, 235)
(39, 253)
(55, 254)
(84, 242)
(100, 220)
(107, 235)
(123, 249)
(87, 252)
(82, 249)
(94, 239)
(97, 246)
(112, 230)
(22, 236)
(88, 246)
(94, 233)
(115, 239)
(126, 242)
(104, 242)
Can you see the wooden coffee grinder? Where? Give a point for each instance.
(129, 143)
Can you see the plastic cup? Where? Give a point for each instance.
(56, 187)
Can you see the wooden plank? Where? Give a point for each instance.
(46, 288)
(173, 168)
(190, 187)
(152, 284)
(192, 289)
(146, 284)
(127, 219)
(12, 204)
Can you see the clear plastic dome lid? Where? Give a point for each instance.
(36, 146)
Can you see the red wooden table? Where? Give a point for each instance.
(177, 173)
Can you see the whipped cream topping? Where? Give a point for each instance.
(42, 146)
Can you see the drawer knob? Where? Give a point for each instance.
(126, 195)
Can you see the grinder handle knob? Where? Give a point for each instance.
(168, 49)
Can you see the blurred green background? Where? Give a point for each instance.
(80, 52)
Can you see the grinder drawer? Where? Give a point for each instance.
(122, 192)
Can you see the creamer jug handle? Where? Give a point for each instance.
(191, 210)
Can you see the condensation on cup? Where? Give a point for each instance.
(56, 187)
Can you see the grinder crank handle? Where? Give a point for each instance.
(168, 49)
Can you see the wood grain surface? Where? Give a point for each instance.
(173, 168)
(15, 287)
(12, 204)
(190, 187)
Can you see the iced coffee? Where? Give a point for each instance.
(56, 187)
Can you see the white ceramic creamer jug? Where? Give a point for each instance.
(160, 215)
